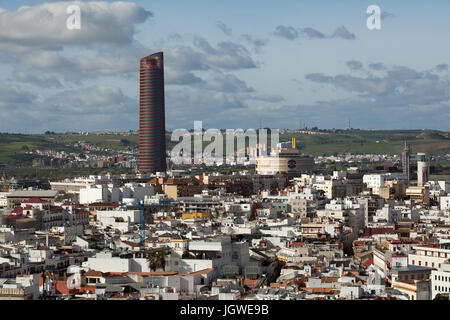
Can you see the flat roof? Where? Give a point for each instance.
(33, 194)
(411, 268)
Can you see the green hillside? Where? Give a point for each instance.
(14, 146)
(375, 142)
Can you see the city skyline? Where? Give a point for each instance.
(312, 63)
(224, 155)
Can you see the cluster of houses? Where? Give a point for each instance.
(227, 237)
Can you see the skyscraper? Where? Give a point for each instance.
(152, 126)
(406, 160)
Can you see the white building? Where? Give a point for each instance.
(353, 214)
(440, 280)
(374, 181)
(107, 193)
(4, 199)
(105, 262)
(94, 193)
(445, 203)
(219, 253)
(391, 214)
(429, 256)
(121, 220)
(21, 288)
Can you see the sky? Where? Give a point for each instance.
(228, 63)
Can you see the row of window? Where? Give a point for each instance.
(441, 289)
(441, 278)
(413, 277)
(434, 254)
(426, 264)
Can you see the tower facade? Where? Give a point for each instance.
(406, 160)
(152, 124)
(423, 169)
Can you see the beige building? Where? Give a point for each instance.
(394, 189)
(415, 289)
(287, 161)
(419, 195)
(432, 256)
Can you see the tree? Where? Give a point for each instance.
(440, 297)
(156, 260)
(125, 142)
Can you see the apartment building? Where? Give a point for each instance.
(432, 256)
(440, 280)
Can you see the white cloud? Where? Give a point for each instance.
(43, 26)
(97, 107)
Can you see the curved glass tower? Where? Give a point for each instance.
(152, 126)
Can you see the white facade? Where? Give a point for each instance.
(352, 214)
(427, 256)
(397, 213)
(119, 219)
(445, 203)
(440, 280)
(374, 181)
(105, 262)
(4, 199)
(423, 169)
(214, 254)
(106, 193)
(93, 194)
(326, 186)
(351, 292)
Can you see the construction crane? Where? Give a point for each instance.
(142, 224)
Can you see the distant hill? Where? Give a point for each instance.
(14, 146)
